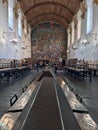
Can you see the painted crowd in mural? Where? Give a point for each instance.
(48, 42)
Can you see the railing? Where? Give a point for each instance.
(5, 65)
(84, 66)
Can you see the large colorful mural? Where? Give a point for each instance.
(48, 42)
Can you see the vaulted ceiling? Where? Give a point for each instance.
(60, 11)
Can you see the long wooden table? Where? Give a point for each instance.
(6, 73)
(79, 73)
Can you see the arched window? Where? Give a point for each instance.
(79, 25)
(89, 16)
(10, 14)
(19, 23)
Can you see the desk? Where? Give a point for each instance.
(6, 73)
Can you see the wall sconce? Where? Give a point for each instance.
(14, 41)
(67, 51)
(23, 47)
(74, 47)
(7, 34)
(85, 42)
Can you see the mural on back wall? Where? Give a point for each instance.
(48, 42)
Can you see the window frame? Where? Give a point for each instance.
(10, 15)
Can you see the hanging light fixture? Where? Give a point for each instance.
(14, 41)
(74, 47)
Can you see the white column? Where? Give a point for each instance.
(73, 31)
(68, 40)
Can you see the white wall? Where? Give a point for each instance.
(3, 27)
(89, 51)
(7, 49)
